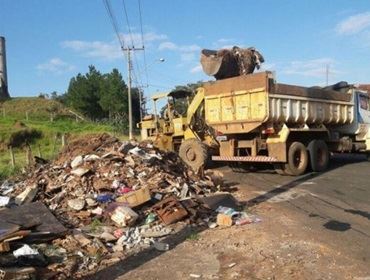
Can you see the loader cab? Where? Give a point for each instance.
(175, 112)
(167, 124)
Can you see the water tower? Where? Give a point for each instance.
(4, 93)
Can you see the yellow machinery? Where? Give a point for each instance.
(253, 119)
(180, 127)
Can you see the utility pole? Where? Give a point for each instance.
(129, 69)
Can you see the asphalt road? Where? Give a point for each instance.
(333, 206)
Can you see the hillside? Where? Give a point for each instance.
(39, 132)
(36, 108)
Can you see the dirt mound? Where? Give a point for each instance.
(84, 145)
(19, 125)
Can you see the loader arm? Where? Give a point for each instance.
(191, 112)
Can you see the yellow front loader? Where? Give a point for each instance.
(180, 127)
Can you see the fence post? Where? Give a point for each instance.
(39, 150)
(3, 112)
(55, 143)
(12, 159)
(26, 115)
(63, 140)
(29, 155)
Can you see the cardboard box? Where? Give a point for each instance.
(224, 220)
(135, 198)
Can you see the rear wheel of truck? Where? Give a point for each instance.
(194, 153)
(297, 159)
(319, 155)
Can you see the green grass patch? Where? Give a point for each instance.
(35, 108)
(193, 236)
(48, 142)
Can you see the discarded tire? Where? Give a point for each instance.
(319, 155)
(297, 159)
(194, 153)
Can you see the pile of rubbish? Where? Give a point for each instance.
(228, 63)
(101, 200)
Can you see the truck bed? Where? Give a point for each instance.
(241, 104)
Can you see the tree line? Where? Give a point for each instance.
(101, 96)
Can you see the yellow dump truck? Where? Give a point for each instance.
(252, 118)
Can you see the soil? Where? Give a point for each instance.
(19, 125)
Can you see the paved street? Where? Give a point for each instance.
(333, 206)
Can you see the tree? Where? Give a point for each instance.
(100, 96)
(84, 93)
(114, 97)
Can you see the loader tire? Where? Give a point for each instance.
(194, 153)
(319, 155)
(297, 159)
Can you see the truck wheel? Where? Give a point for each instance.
(194, 153)
(319, 155)
(297, 159)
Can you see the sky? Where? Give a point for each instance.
(49, 42)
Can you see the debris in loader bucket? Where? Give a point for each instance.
(227, 63)
(132, 197)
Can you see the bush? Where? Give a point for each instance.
(25, 136)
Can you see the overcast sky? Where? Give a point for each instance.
(48, 42)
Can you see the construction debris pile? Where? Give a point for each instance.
(109, 199)
(228, 63)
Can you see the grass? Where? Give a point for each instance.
(36, 108)
(47, 146)
(33, 114)
(193, 236)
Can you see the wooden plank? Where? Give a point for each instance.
(4, 247)
(7, 228)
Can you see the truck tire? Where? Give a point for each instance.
(319, 155)
(194, 153)
(297, 159)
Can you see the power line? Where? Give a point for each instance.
(113, 21)
(134, 58)
(128, 23)
(142, 40)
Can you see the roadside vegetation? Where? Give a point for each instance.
(43, 137)
(94, 102)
